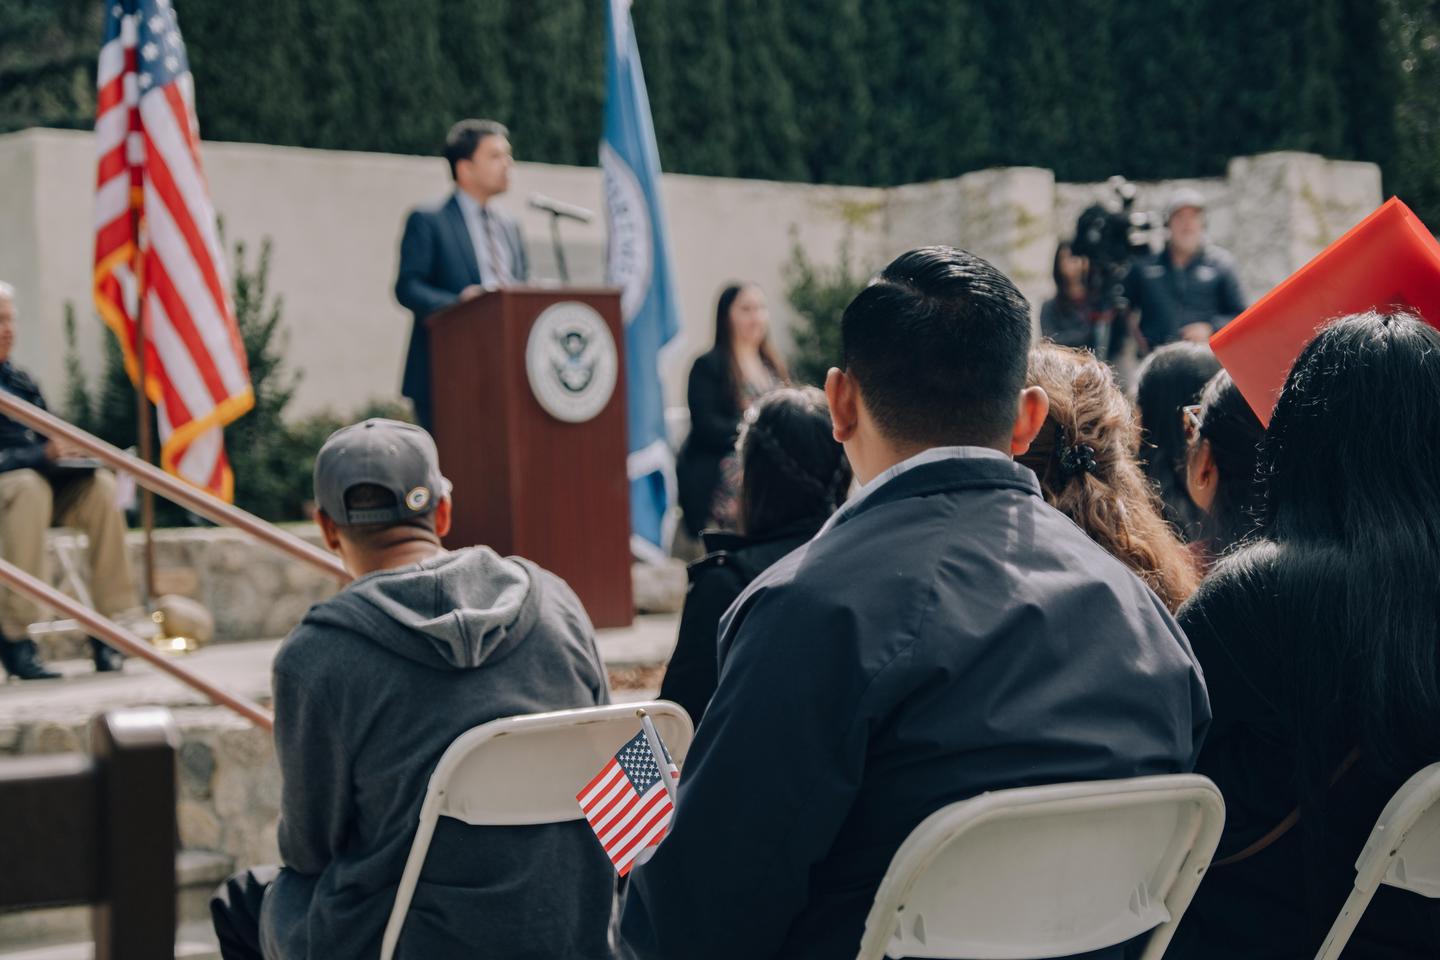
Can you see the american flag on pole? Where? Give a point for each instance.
(627, 804)
(157, 251)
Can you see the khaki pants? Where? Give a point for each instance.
(30, 505)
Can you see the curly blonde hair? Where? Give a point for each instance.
(1086, 459)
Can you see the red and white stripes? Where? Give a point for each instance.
(157, 249)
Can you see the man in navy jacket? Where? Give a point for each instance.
(461, 248)
(946, 634)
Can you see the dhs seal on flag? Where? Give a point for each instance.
(571, 362)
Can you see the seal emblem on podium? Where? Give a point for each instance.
(571, 362)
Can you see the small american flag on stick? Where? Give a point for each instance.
(629, 804)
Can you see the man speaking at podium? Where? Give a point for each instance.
(460, 249)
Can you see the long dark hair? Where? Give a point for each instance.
(725, 346)
(1169, 379)
(1107, 497)
(1235, 433)
(1061, 294)
(1350, 536)
(792, 469)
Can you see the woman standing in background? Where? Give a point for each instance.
(742, 367)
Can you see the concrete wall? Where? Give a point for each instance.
(335, 219)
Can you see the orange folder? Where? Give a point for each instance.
(1387, 261)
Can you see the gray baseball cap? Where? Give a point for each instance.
(1182, 198)
(399, 457)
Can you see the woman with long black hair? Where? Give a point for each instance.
(1320, 642)
(794, 477)
(1167, 381)
(742, 367)
(1224, 438)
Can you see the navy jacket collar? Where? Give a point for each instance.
(944, 476)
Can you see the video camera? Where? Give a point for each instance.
(1112, 240)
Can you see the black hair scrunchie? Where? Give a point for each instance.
(1077, 458)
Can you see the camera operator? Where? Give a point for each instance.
(1090, 275)
(1189, 289)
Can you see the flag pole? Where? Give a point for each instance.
(146, 443)
(652, 737)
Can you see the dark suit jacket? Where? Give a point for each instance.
(951, 634)
(437, 261)
(716, 579)
(714, 421)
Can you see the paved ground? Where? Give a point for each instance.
(633, 655)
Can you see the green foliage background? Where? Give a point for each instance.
(272, 456)
(844, 91)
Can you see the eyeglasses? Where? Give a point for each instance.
(1190, 420)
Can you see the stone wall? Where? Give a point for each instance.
(335, 218)
(228, 782)
(252, 590)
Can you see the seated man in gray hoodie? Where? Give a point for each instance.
(370, 689)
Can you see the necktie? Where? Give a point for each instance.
(502, 277)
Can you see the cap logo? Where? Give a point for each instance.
(418, 499)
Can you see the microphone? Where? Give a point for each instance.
(560, 208)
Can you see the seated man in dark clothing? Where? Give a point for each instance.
(45, 483)
(371, 689)
(945, 634)
(1188, 290)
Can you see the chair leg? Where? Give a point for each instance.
(408, 879)
(1345, 924)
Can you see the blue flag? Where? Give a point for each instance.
(638, 262)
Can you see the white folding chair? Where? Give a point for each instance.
(526, 770)
(1048, 871)
(1403, 851)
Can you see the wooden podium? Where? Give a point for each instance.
(530, 437)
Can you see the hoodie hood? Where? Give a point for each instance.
(455, 611)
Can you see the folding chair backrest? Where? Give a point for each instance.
(1403, 851)
(526, 770)
(1404, 848)
(1048, 871)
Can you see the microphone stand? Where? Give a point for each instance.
(558, 247)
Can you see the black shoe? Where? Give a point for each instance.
(107, 658)
(22, 661)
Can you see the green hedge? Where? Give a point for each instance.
(844, 91)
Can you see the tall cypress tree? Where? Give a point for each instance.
(769, 138)
(472, 49)
(702, 101)
(266, 47)
(936, 114)
(1415, 43)
(652, 19)
(1169, 59)
(825, 62)
(543, 40)
(831, 90)
(47, 63)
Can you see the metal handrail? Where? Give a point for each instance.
(112, 633)
(154, 479)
